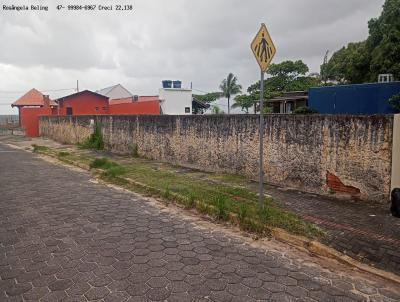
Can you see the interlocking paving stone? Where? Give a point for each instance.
(363, 231)
(64, 238)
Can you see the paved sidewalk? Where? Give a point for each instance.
(362, 231)
(65, 238)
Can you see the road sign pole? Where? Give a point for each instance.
(261, 164)
(264, 51)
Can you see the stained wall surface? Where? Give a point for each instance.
(350, 154)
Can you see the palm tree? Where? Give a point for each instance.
(230, 87)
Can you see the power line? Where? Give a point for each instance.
(49, 90)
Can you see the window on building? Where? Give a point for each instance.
(97, 108)
(69, 111)
(187, 109)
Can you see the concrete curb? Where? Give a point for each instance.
(323, 250)
(299, 242)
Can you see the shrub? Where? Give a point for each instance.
(304, 110)
(268, 109)
(394, 101)
(114, 171)
(95, 141)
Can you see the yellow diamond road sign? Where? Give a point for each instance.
(263, 48)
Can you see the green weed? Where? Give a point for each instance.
(242, 213)
(167, 193)
(95, 141)
(102, 163)
(39, 148)
(190, 201)
(220, 208)
(135, 151)
(114, 171)
(63, 154)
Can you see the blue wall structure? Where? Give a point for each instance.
(354, 99)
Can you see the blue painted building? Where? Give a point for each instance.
(354, 99)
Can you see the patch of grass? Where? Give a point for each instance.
(220, 198)
(190, 201)
(242, 214)
(111, 169)
(221, 210)
(102, 163)
(63, 154)
(167, 193)
(203, 208)
(114, 171)
(39, 148)
(95, 141)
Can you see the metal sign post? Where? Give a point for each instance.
(264, 50)
(261, 163)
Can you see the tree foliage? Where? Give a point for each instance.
(283, 77)
(216, 110)
(304, 110)
(230, 87)
(244, 102)
(363, 61)
(208, 97)
(394, 101)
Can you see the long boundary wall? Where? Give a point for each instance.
(314, 153)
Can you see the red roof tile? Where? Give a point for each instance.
(32, 98)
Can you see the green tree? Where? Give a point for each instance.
(284, 77)
(362, 62)
(394, 101)
(348, 65)
(230, 87)
(244, 102)
(383, 42)
(208, 97)
(216, 110)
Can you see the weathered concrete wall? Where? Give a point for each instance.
(66, 130)
(315, 153)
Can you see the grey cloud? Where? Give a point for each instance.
(192, 40)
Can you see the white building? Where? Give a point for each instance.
(176, 101)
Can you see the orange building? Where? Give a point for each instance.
(83, 103)
(34, 104)
(30, 106)
(135, 105)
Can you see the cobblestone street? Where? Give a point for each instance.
(64, 237)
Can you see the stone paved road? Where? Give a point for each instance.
(65, 238)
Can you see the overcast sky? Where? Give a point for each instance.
(197, 41)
